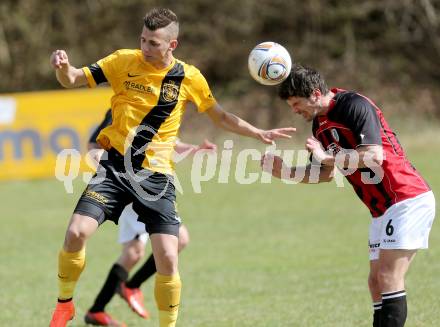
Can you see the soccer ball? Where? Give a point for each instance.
(269, 63)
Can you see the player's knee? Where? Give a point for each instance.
(132, 253)
(168, 263)
(140, 252)
(75, 235)
(183, 238)
(388, 278)
(79, 230)
(135, 255)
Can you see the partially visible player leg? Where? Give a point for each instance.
(376, 296)
(162, 223)
(131, 256)
(373, 282)
(405, 229)
(133, 238)
(131, 291)
(393, 265)
(168, 285)
(148, 269)
(132, 252)
(71, 262)
(103, 199)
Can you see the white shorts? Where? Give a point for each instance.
(130, 228)
(405, 225)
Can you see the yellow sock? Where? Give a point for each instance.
(167, 294)
(70, 266)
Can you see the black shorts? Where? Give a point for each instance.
(111, 189)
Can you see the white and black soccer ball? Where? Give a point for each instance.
(269, 63)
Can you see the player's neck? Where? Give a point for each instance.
(163, 63)
(326, 102)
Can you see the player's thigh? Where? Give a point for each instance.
(158, 210)
(103, 200)
(395, 262)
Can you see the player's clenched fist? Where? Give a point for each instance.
(59, 59)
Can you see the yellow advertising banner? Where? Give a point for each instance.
(36, 126)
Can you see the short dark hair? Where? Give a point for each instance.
(301, 82)
(159, 17)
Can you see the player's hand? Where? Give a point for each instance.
(59, 60)
(315, 147)
(273, 164)
(271, 135)
(207, 145)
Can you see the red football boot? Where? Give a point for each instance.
(64, 311)
(135, 300)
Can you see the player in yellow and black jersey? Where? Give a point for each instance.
(151, 89)
(148, 96)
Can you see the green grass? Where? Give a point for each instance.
(260, 255)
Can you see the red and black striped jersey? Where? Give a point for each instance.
(354, 120)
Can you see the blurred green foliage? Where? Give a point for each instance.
(388, 49)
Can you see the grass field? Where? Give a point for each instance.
(260, 255)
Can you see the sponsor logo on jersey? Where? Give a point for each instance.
(133, 75)
(170, 91)
(333, 148)
(138, 87)
(335, 134)
(95, 196)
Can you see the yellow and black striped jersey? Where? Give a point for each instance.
(147, 105)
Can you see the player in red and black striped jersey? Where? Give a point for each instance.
(351, 134)
(353, 121)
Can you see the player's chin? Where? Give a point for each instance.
(149, 59)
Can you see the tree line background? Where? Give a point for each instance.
(388, 50)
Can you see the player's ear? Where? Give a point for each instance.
(316, 94)
(173, 45)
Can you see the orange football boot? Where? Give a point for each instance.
(64, 311)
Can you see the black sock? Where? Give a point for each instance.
(394, 309)
(65, 300)
(377, 306)
(116, 275)
(146, 271)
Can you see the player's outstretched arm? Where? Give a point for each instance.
(232, 123)
(307, 174)
(182, 147)
(66, 74)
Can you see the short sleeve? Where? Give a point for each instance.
(200, 93)
(361, 117)
(101, 71)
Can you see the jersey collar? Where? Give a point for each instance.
(333, 100)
